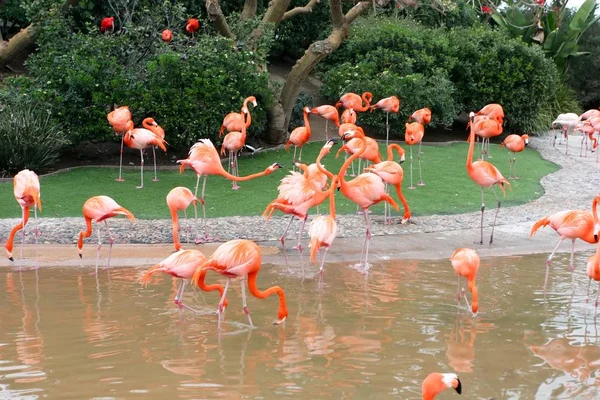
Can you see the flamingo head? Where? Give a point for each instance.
(306, 110)
(273, 167)
(471, 116)
(245, 110)
(452, 381)
(526, 139)
(129, 129)
(252, 99)
(352, 133)
(596, 232)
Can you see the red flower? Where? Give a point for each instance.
(107, 24)
(167, 35)
(486, 9)
(193, 25)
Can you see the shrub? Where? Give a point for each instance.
(297, 117)
(583, 71)
(29, 137)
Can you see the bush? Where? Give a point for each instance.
(583, 70)
(297, 117)
(447, 71)
(29, 137)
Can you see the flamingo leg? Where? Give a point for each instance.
(111, 240)
(229, 162)
(571, 264)
(587, 297)
(195, 219)
(99, 246)
(221, 307)
(597, 295)
(282, 238)
(421, 183)
(487, 151)
(234, 171)
(246, 309)
(299, 246)
(495, 216)
(294, 159)
(549, 261)
(37, 233)
(186, 227)
(141, 171)
(365, 249)
(385, 209)
(326, 131)
(202, 201)
(458, 289)
(22, 237)
(155, 170)
(300, 156)
(120, 179)
(179, 292)
(323, 261)
(482, 210)
(411, 170)
(387, 129)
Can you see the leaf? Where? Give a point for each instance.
(584, 17)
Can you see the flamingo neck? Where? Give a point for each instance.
(471, 147)
(263, 295)
(594, 210)
(363, 147)
(175, 219)
(390, 151)
(332, 198)
(306, 124)
(227, 175)
(320, 167)
(86, 233)
(366, 100)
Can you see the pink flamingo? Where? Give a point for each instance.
(141, 138)
(300, 136)
(436, 383)
(422, 116)
(179, 199)
(152, 125)
(119, 119)
(593, 271)
(233, 122)
(515, 144)
(414, 134)
(233, 143)
(349, 116)
(323, 229)
(484, 174)
(493, 111)
(568, 122)
(330, 113)
(354, 101)
(486, 128)
(465, 262)
(389, 104)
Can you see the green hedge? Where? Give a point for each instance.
(447, 70)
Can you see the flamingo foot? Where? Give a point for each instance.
(477, 241)
(421, 183)
(139, 187)
(404, 221)
(235, 186)
(571, 267)
(154, 179)
(411, 187)
(299, 248)
(120, 180)
(548, 263)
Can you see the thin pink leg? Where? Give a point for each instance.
(155, 170)
(282, 238)
(120, 179)
(421, 183)
(141, 170)
(299, 246)
(245, 305)
(411, 170)
(111, 240)
(234, 172)
(221, 306)
(98, 226)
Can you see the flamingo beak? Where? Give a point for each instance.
(80, 255)
(278, 165)
(254, 103)
(332, 142)
(11, 258)
(458, 387)
(402, 159)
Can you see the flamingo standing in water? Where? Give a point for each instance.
(422, 116)
(299, 136)
(392, 174)
(389, 104)
(436, 383)
(349, 116)
(26, 187)
(484, 174)
(142, 138)
(119, 119)
(365, 190)
(414, 134)
(572, 224)
(179, 199)
(323, 229)
(515, 144)
(240, 259)
(465, 262)
(100, 208)
(182, 264)
(354, 101)
(233, 121)
(204, 160)
(330, 113)
(233, 143)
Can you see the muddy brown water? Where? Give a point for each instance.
(68, 333)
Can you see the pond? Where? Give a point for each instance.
(70, 333)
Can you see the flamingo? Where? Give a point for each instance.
(589, 114)
(484, 174)
(323, 229)
(422, 116)
(587, 130)
(297, 194)
(389, 104)
(572, 224)
(371, 153)
(119, 119)
(192, 26)
(486, 128)
(330, 113)
(300, 136)
(493, 111)
(107, 24)
(465, 262)
(240, 259)
(233, 143)
(414, 134)
(182, 264)
(204, 160)
(436, 383)
(365, 190)
(152, 125)
(233, 121)
(179, 199)
(568, 122)
(98, 209)
(167, 35)
(354, 101)
(392, 174)
(142, 138)
(593, 271)
(515, 144)
(349, 116)
(594, 122)
(26, 187)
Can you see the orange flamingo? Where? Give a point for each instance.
(484, 174)
(233, 121)
(436, 383)
(167, 35)
(493, 111)
(371, 153)
(389, 104)
(323, 229)
(204, 160)
(349, 116)
(233, 143)
(98, 209)
(487, 128)
(365, 190)
(152, 125)
(192, 26)
(354, 101)
(465, 262)
(593, 271)
(119, 119)
(238, 259)
(300, 136)
(422, 116)
(414, 134)
(107, 24)
(515, 144)
(182, 264)
(298, 194)
(330, 113)
(587, 131)
(26, 187)
(572, 224)
(142, 138)
(392, 174)
(179, 199)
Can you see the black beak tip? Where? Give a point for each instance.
(595, 240)
(80, 256)
(279, 165)
(11, 258)
(332, 141)
(338, 188)
(459, 387)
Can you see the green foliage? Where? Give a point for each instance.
(297, 118)
(447, 71)
(436, 13)
(12, 17)
(583, 71)
(29, 137)
(564, 100)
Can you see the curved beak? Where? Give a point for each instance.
(254, 103)
(332, 141)
(458, 387)
(278, 165)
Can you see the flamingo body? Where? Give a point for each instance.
(328, 112)
(354, 101)
(422, 116)
(119, 118)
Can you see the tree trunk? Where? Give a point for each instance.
(277, 128)
(18, 47)
(249, 10)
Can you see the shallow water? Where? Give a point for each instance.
(71, 334)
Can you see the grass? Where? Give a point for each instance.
(448, 188)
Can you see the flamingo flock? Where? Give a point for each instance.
(311, 185)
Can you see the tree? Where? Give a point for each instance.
(280, 113)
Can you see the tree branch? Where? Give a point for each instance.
(215, 14)
(337, 15)
(275, 12)
(249, 10)
(356, 11)
(300, 10)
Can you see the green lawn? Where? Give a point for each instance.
(448, 189)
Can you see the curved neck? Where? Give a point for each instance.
(175, 219)
(242, 178)
(390, 151)
(366, 101)
(86, 233)
(471, 146)
(263, 295)
(306, 121)
(332, 198)
(320, 167)
(207, 288)
(350, 159)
